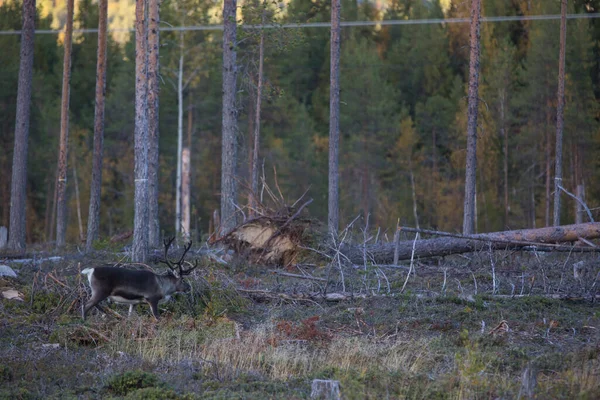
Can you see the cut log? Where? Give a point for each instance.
(384, 252)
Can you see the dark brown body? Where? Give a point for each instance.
(131, 287)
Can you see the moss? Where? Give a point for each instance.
(129, 381)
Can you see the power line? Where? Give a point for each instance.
(393, 22)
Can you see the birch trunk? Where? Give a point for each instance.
(185, 193)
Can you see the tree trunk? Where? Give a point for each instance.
(548, 169)
(579, 210)
(153, 133)
(560, 109)
(140, 228)
(259, 90)
(96, 186)
(18, 189)
(442, 246)
(229, 144)
(334, 119)
(185, 193)
(471, 167)
(77, 198)
(504, 134)
(179, 137)
(61, 205)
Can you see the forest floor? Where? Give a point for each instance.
(499, 325)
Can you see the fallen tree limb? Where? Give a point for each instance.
(509, 240)
(315, 296)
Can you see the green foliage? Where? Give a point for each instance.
(157, 393)
(127, 382)
(403, 95)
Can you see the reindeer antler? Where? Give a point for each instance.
(179, 263)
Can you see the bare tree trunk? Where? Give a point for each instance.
(334, 119)
(414, 193)
(18, 189)
(185, 193)
(179, 137)
(471, 167)
(504, 134)
(560, 110)
(229, 142)
(153, 133)
(61, 205)
(259, 90)
(579, 210)
(548, 172)
(96, 187)
(140, 228)
(77, 198)
(385, 252)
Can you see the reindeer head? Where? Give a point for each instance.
(177, 273)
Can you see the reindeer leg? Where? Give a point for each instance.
(130, 310)
(154, 306)
(97, 297)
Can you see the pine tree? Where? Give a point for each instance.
(229, 145)
(140, 229)
(18, 194)
(96, 185)
(61, 205)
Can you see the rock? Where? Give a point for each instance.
(5, 270)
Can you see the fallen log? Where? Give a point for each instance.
(442, 246)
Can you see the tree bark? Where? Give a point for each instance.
(77, 198)
(334, 119)
(442, 246)
(547, 214)
(259, 90)
(140, 229)
(471, 167)
(560, 109)
(96, 186)
(229, 145)
(153, 133)
(179, 137)
(61, 205)
(185, 193)
(504, 135)
(18, 189)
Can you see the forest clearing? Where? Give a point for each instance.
(487, 324)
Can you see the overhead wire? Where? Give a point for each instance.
(305, 25)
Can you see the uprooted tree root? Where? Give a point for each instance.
(273, 238)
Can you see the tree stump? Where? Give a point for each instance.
(325, 389)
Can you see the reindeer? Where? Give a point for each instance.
(137, 286)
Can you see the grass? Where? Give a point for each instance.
(218, 344)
